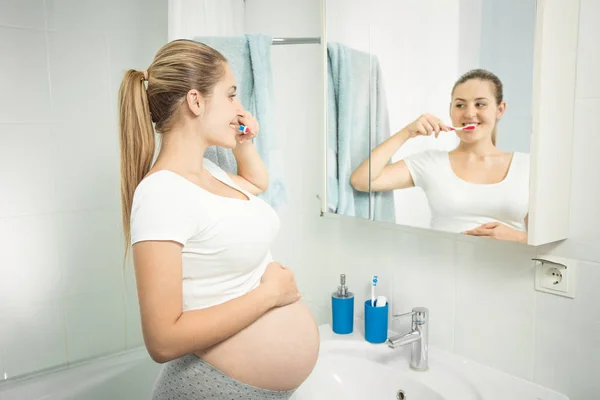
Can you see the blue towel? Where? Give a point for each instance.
(249, 57)
(356, 110)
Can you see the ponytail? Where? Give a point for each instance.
(137, 142)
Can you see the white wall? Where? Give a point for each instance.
(190, 19)
(480, 293)
(62, 293)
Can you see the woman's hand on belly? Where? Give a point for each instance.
(281, 283)
(497, 230)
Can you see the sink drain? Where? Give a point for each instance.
(400, 395)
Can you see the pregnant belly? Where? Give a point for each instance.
(277, 352)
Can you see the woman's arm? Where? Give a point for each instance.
(251, 171)
(252, 174)
(170, 333)
(386, 176)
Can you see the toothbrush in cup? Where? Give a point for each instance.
(374, 281)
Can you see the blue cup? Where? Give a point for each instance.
(376, 323)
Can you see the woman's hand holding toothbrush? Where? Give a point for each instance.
(248, 128)
(427, 125)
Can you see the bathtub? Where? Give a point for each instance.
(125, 376)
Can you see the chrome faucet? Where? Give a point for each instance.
(418, 337)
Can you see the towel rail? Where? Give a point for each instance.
(296, 40)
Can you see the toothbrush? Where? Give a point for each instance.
(244, 129)
(374, 281)
(468, 127)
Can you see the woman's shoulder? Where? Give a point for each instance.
(520, 157)
(520, 161)
(158, 180)
(163, 187)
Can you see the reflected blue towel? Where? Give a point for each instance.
(249, 57)
(356, 110)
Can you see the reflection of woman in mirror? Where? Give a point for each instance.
(476, 188)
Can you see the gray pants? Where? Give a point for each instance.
(191, 378)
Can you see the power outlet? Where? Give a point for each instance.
(556, 275)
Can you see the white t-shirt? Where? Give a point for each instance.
(457, 205)
(226, 241)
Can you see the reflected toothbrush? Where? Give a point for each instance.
(468, 127)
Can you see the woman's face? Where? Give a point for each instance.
(220, 120)
(474, 102)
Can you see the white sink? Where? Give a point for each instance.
(351, 368)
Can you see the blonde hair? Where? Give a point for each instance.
(484, 75)
(177, 68)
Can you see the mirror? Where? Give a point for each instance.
(349, 84)
(457, 181)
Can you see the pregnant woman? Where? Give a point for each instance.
(225, 319)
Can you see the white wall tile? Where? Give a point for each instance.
(87, 166)
(424, 276)
(79, 76)
(283, 18)
(588, 51)
(87, 136)
(76, 16)
(60, 154)
(32, 338)
(22, 13)
(25, 94)
(95, 323)
(91, 251)
(26, 169)
(29, 260)
(311, 258)
(495, 301)
(133, 43)
(2, 370)
(364, 252)
(567, 354)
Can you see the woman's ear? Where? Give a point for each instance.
(500, 110)
(195, 102)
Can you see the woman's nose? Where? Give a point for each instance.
(240, 108)
(471, 111)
